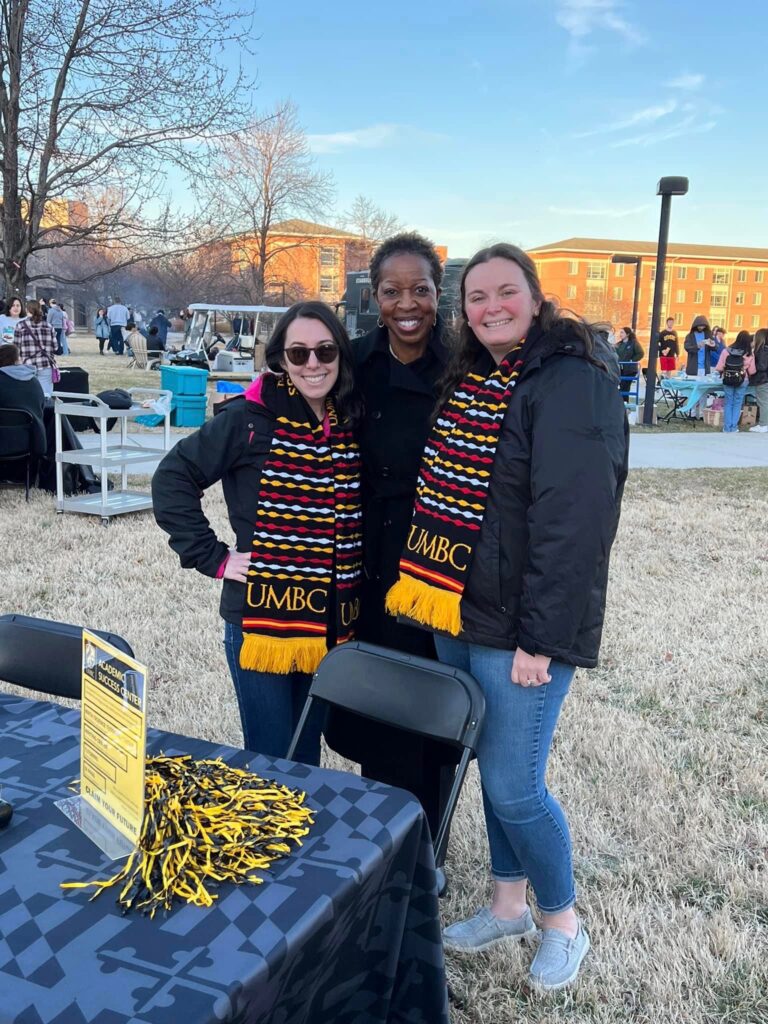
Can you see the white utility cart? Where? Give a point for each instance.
(112, 454)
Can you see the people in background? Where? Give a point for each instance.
(736, 365)
(117, 314)
(101, 328)
(717, 345)
(759, 379)
(130, 339)
(35, 339)
(20, 389)
(289, 467)
(699, 345)
(668, 348)
(163, 325)
(519, 601)
(56, 319)
(10, 317)
(629, 352)
(397, 367)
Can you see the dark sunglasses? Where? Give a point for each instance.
(298, 355)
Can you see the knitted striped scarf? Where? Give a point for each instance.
(451, 496)
(306, 556)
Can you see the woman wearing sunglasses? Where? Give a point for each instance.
(289, 467)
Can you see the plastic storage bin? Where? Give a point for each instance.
(188, 410)
(184, 380)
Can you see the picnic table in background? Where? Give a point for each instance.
(686, 392)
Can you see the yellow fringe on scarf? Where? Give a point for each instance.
(431, 605)
(282, 654)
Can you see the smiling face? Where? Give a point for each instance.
(407, 297)
(314, 380)
(15, 308)
(499, 305)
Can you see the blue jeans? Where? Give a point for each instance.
(528, 835)
(116, 339)
(271, 704)
(734, 399)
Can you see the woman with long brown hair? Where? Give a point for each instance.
(506, 559)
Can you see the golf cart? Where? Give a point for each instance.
(232, 337)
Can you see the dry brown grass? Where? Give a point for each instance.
(660, 759)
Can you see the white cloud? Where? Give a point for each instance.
(582, 18)
(611, 214)
(688, 82)
(688, 126)
(373, 137)
(647, 115)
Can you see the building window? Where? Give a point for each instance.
(618, 269)
(573, 267)
(739, 300)
(720, 277)
(618, 294)
(699, 273)
(653, 274)
(755, 321)
(682, 273)
(759, 276)
(680, 295)
(327, 284)
(678, 319)
(595, 271)
(738, 320)
(570, 292)
(698, 298)
(757, 299)
(741, 276)
(329, 257)
(718, 301)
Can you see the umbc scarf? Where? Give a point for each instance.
(451, 495)
(306, 556)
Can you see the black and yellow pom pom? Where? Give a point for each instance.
(204, 823)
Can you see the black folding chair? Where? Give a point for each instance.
(47, 656)
(411, 693)
(17, 439)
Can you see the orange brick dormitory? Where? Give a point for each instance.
(727, 284)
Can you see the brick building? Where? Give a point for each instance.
(728, 284)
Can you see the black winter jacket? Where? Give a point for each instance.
(539, 570)
(232, 447)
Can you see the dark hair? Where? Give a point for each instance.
(344, 392)
(469, 348)
(130, 326)
(630, 334)
(9, 354)
(407, 243)
(743, 342)
(34, 312)
(761, 337)
(670, 319)
(153, 330)
(10, 302)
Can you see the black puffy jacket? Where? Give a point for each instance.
(232, 447)
(539, 570)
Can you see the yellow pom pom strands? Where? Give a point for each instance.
(204, 823)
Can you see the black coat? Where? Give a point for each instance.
(539, 570)
(399, 400)
(28, 396)
(232, 447)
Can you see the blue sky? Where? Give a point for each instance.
(531, 120)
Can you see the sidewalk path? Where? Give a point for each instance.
(647, 449)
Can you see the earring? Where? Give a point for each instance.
(434, 322)
(379, 322)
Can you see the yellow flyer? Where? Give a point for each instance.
(114, 735)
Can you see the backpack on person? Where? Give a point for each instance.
(734, 373)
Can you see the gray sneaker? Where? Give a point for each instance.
(558, 958)
(484, 929)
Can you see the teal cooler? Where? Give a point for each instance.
(188, 384)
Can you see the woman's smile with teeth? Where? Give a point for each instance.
(497, 323)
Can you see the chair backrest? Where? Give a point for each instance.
(43, 655)
(16, 426)
(139, 348)
(399, 689)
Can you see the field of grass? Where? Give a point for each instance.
(661, 758)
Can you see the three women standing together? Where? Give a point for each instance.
(501, 514)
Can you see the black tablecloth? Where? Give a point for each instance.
(345, 930)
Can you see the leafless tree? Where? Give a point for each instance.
(268, 175)
(100, 99)
(372, 224)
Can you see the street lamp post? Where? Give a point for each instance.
(666, 188)
(638, 264)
